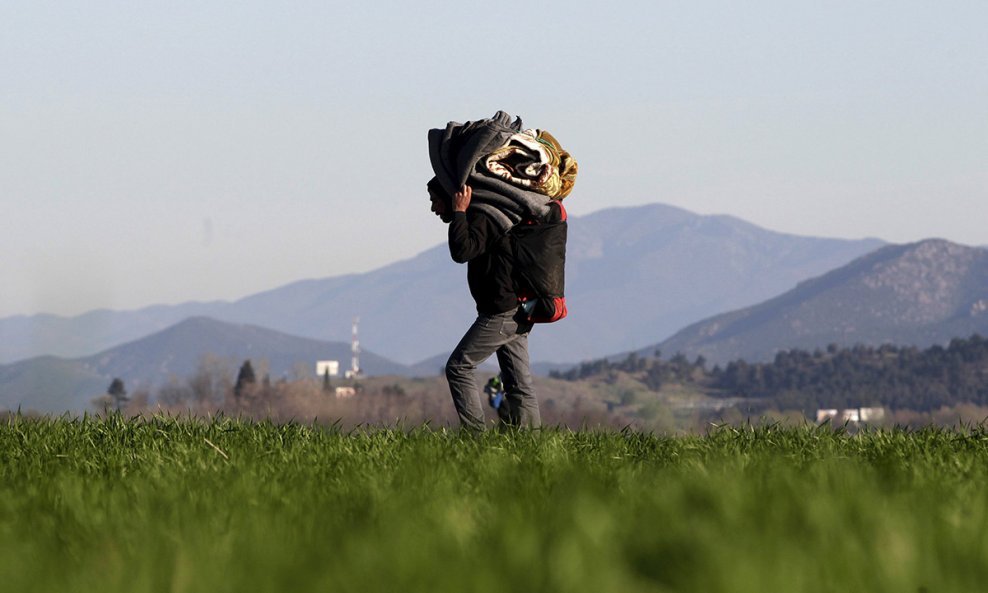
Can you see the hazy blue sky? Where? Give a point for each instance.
(158, 152)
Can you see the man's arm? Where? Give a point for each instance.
(468, 238)
(461, 199)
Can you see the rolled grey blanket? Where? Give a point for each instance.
(457, 154)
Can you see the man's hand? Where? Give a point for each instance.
(461, 199)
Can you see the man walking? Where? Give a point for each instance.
(477, 240)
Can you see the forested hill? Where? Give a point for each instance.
(890, 376)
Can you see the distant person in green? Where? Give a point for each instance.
(475, 239)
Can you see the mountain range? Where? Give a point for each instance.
(916, 294)
(634, 276)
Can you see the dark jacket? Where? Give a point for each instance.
(477, 240)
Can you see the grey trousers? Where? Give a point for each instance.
(489, 334)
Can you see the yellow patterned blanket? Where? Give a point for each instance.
(535, 160)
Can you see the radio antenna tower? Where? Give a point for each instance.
(355, 350)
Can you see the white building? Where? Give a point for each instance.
(850, 415)
(872, 414)
(333, 366)
(344, 392)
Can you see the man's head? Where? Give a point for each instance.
(442, 203)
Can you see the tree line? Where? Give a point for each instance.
(895, 377)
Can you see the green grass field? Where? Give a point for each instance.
(161, 504)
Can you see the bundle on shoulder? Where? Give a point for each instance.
(519, 178)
